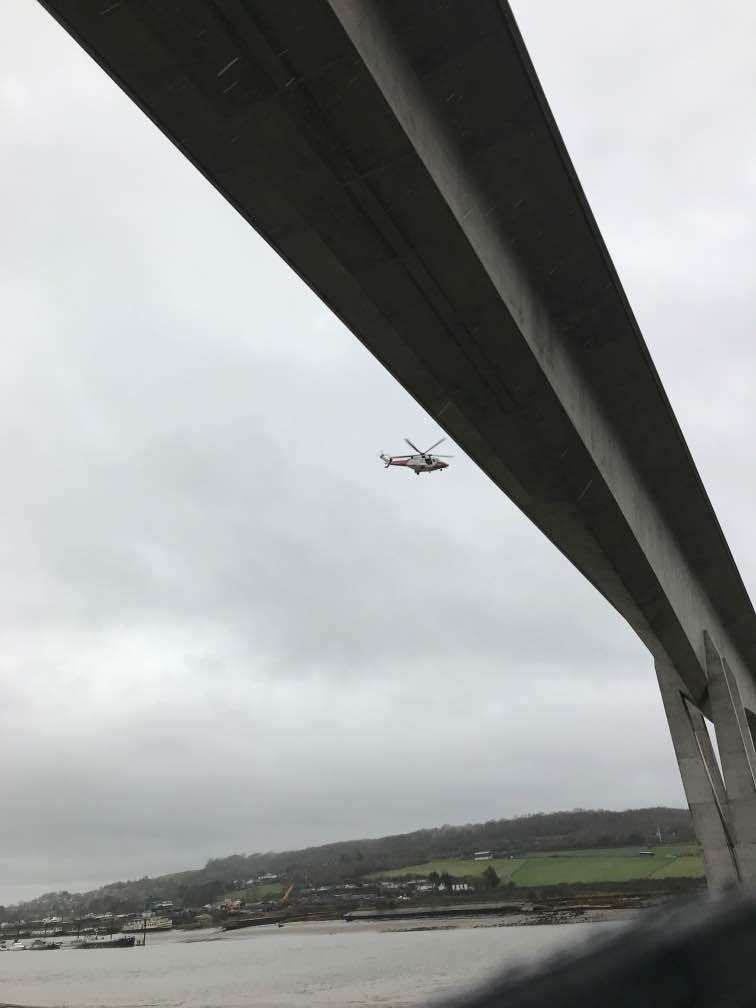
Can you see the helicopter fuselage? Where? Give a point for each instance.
(418, 463)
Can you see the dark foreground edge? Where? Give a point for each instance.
(693, 955)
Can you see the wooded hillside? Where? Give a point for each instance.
(577, 829)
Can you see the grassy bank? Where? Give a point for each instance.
(260, 891)
(622, 865)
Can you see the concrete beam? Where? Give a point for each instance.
(409, 93)
(403, 159)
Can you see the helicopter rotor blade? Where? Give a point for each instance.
(429, 450)
(414, 447)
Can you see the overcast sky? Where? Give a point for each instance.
(224, 626)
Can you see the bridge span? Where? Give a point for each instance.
(402, 158)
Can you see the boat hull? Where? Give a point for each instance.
(127, 941)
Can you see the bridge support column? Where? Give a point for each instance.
(738, 756)
(702, 781)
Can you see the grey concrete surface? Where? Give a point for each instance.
(704, 788)
(402, 158)
(736, 751)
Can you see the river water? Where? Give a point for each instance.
(313, 965)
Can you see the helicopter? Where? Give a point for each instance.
(421, 462)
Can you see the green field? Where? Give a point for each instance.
(622, 865)
(260, 891)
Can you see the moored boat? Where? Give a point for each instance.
(118, 941)
(148, 924)
(269, 917)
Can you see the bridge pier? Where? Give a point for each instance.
(722, 803)
(737, 754)
(704, 788)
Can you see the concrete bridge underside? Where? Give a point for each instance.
(402, 158)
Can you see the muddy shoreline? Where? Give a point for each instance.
(595, 915)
